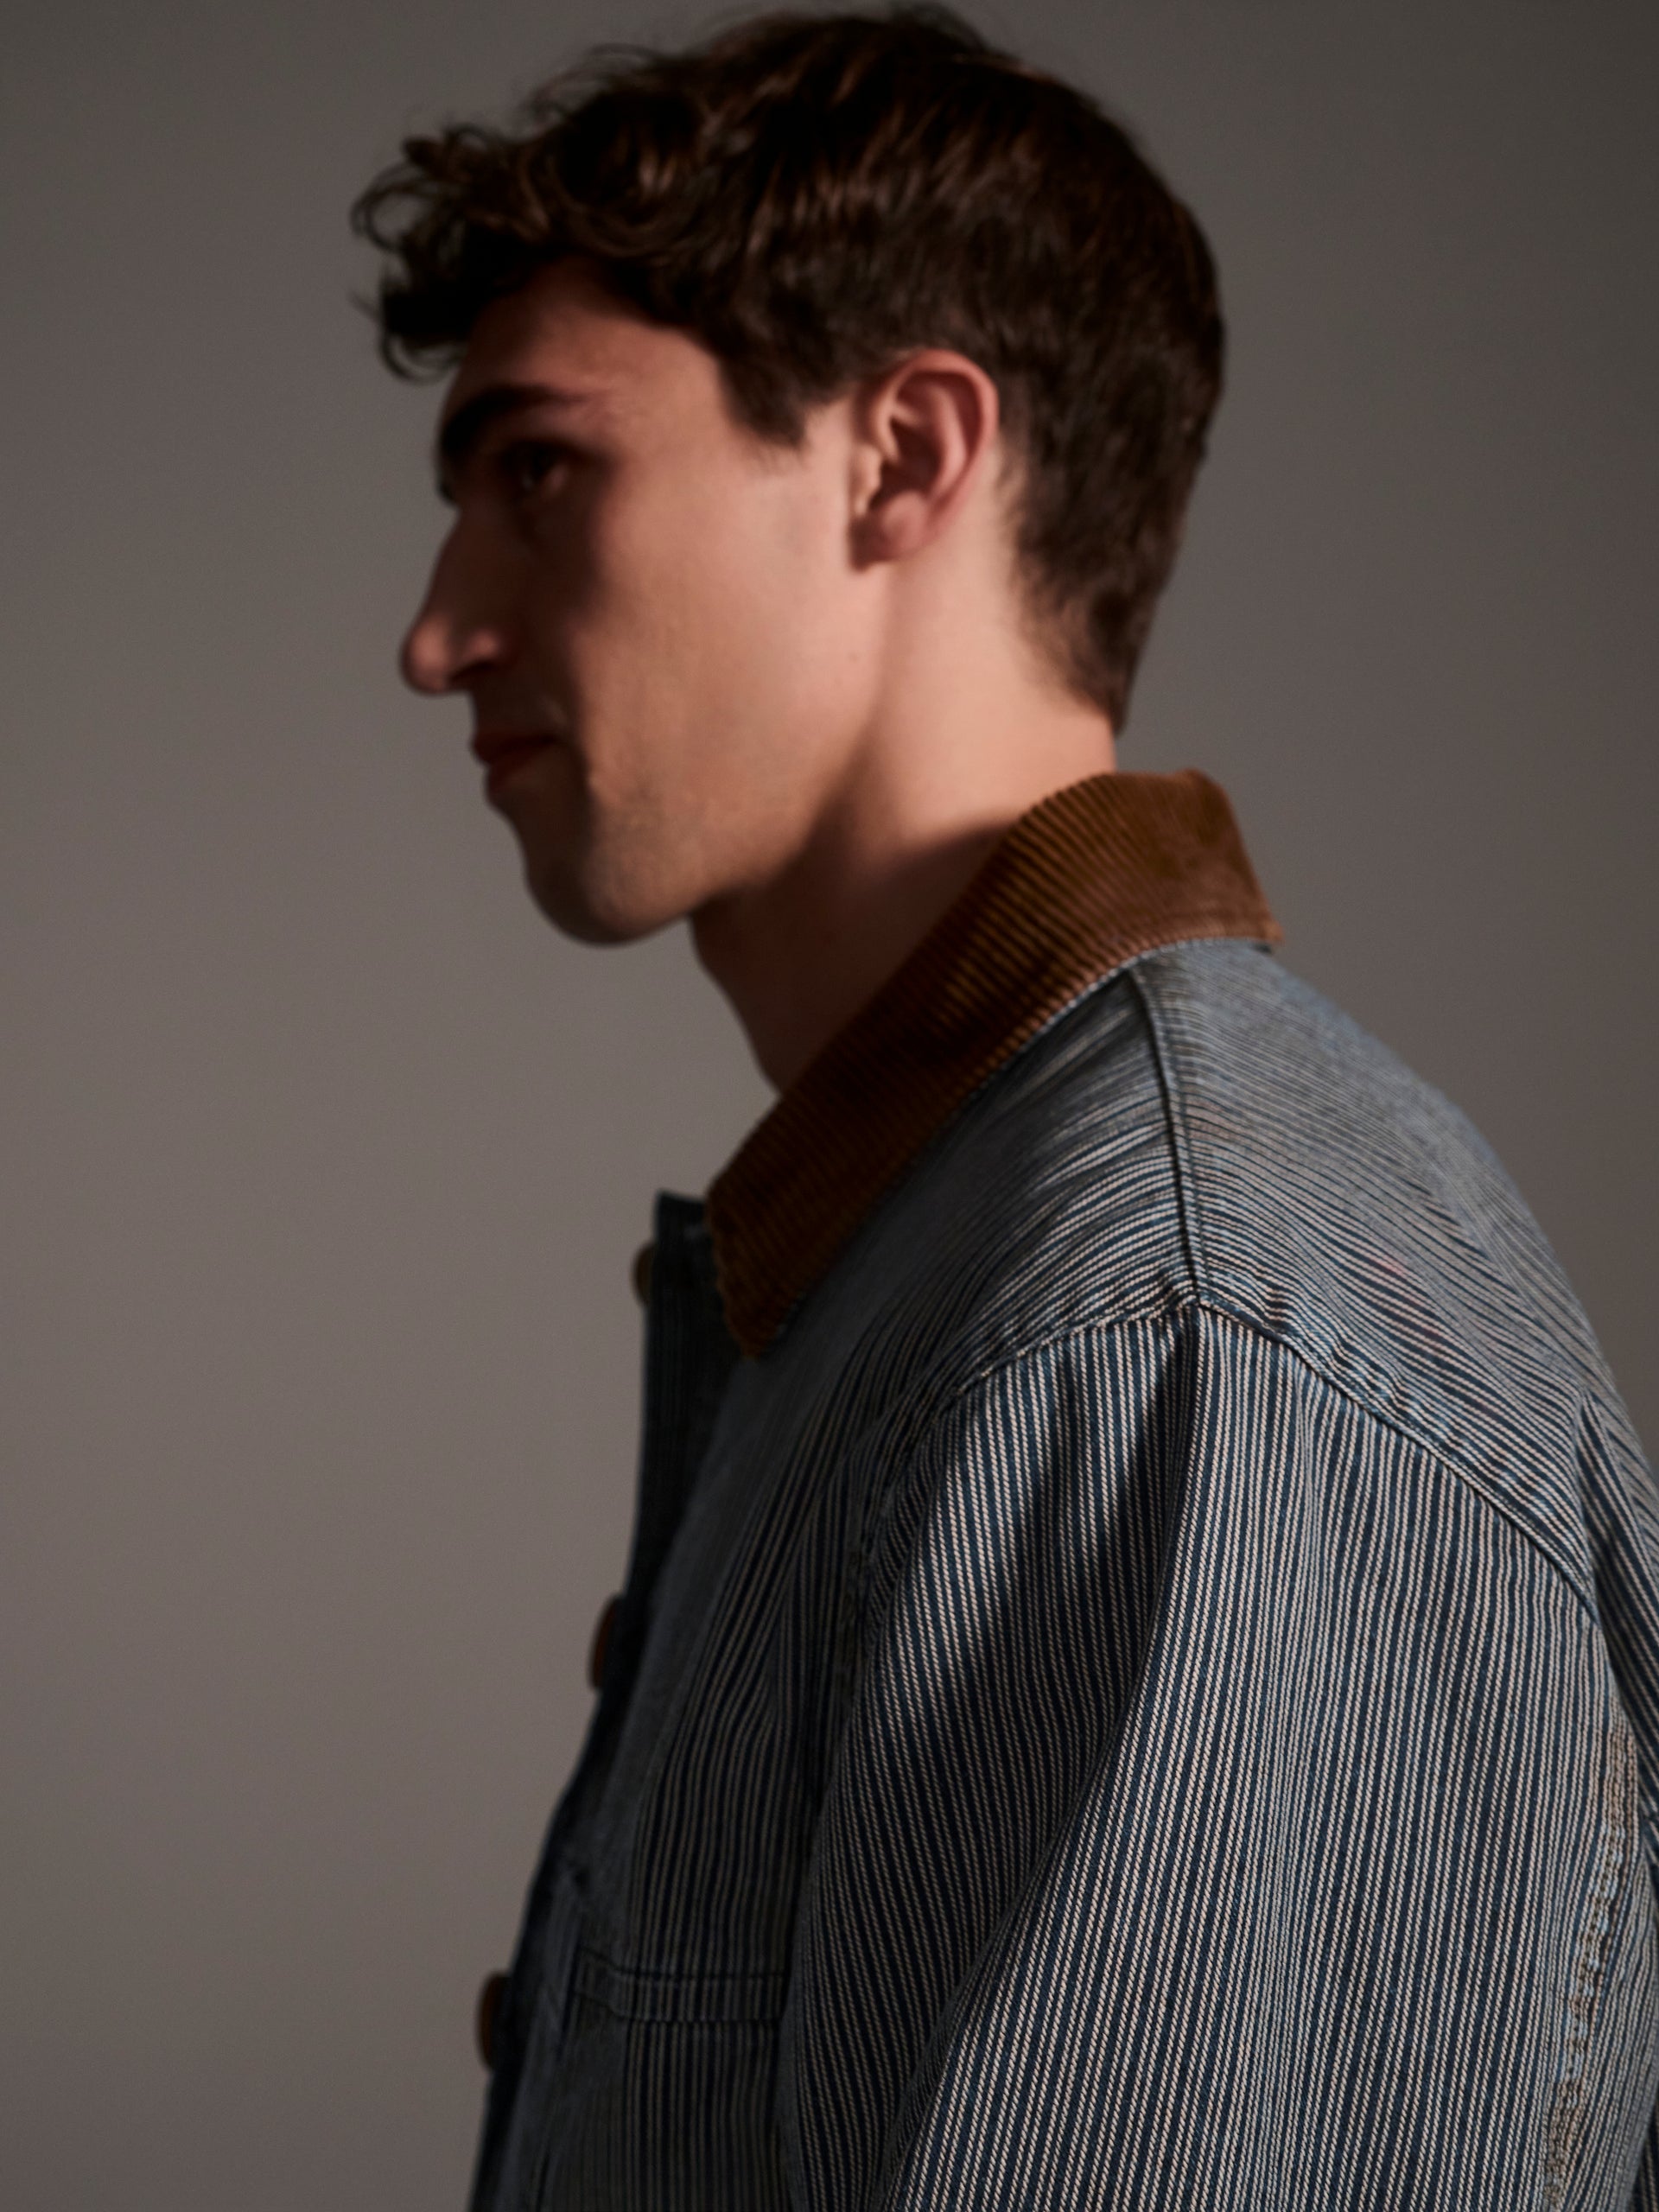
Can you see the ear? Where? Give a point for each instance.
(924, 435)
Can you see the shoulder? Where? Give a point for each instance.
(1204, 1130)
(1334, 1202)
(1332, 1196)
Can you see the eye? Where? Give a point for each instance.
(526, 464)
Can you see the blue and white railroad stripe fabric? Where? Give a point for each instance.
(1146, 1695)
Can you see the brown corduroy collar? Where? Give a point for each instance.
(1094, 876)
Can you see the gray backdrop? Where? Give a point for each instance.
(325, 1160)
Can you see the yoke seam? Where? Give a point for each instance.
(1199, 1303)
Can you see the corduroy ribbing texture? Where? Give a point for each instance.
(1093, 877)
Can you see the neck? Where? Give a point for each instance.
(798, 954)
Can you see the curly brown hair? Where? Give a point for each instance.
(813, 197)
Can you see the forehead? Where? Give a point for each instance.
(564, 329)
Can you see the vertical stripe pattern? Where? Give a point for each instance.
(1146, 1696)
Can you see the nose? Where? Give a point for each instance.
(459, 634)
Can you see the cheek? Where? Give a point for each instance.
(721, 621)
(772, 592)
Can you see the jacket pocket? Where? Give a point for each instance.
(665, 2094)
(636, 1994)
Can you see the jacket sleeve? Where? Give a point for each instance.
(1232, 1807)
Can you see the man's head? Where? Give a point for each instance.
(752, 268)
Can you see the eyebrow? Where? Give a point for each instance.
(458, 439)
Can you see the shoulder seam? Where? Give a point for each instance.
(1174, 1316)
(1175, 1129)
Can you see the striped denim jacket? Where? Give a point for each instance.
(1143, 1694)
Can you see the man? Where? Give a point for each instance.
(1138, 1682)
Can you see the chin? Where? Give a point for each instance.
(590, 916)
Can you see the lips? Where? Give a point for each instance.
(503, 752)
(500, 748)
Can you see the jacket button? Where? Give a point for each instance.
(601, 1643)
(489, 2003)
(642, 1259)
